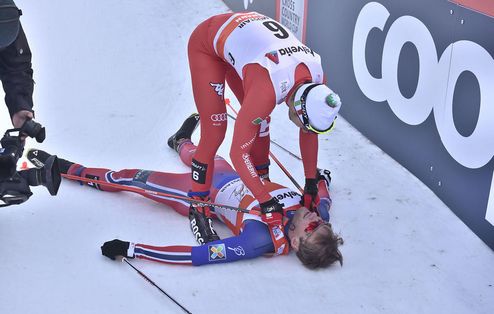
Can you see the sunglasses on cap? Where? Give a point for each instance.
(303, 111)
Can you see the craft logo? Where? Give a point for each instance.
(273, 56)
(217, 252)
(198, 171)
(219, 88)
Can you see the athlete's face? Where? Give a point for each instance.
(304, 224)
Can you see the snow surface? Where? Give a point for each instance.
(112, 83)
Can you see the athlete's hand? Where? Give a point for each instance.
(114, 248)
(272, 212)
(310, 199)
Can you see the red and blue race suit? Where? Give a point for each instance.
(251, 236)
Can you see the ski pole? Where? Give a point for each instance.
(285, 171)
(156, 193)
(227, 102)
(286, 150)
(154, 284)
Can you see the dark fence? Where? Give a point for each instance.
(416, 78)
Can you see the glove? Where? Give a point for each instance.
(114, 248)
(310, 199)
(324, 174)
(272, 212)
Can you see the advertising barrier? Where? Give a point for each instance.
(417, 79)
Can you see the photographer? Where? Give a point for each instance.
(17, 78)
(16, 72)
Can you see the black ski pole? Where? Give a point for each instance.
(152, 282)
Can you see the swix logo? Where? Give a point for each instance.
(273, 56)
(295, 49)
(219, 88)
(219, 117)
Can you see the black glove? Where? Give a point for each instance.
(310, 199)
(114, 248)
(272, 212)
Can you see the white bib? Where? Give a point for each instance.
(254, 38)
(236, 194)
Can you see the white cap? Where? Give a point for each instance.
(321, 105)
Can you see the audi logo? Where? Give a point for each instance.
(219, 117)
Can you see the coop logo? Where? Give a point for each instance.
(247, 2)
(436, 82)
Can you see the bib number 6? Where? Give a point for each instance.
(278, 30)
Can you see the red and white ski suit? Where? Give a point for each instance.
(262, 63)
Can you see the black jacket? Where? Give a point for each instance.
(16, 74)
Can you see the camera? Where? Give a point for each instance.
(14, 185)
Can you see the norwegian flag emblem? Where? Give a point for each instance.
(273, 56)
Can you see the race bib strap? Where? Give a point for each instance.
(280, 243)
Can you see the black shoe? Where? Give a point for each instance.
(202, 226)
(185, 131)
(39, 157)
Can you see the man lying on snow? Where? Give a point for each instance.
(306, 231)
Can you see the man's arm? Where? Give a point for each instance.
(253, 242)
(258, 103)
(309, 146)
(17, 75)
(325, 202)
